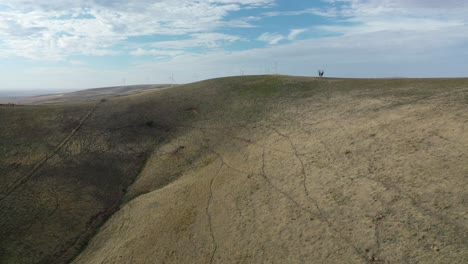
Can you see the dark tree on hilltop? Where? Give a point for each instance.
(321, 73)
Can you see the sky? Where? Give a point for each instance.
(75, 44)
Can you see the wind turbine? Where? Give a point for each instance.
(172, 79)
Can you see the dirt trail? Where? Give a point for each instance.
(17, 184)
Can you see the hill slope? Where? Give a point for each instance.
(83, 95)
(270, 169)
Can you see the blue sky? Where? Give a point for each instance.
(76, 44)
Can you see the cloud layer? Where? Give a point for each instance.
(194, 39)
(55, 29)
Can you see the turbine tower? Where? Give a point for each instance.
(172, 79)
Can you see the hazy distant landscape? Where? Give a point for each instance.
(89, 94)
(4, 95)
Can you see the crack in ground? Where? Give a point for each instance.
(461, 233)
(296, 154)
(377, 238)
(264, 176)
(391, 186)
(320, 215)
(210, 223)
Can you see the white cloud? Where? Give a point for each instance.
(401, 24)
(77, 62)
(361, 16)
(403, 54)
(203, 41)
(276, 38)
(206, 40)
(330, 12)
(373, 38)
(156, 52)
(295, 32)
(271, 38)
(366, 55)
(54, 29)
(395, 15)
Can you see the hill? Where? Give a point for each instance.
(251, 169)
(89, 94)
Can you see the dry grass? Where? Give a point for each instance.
(263, 169)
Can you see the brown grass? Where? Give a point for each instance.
(271, 169)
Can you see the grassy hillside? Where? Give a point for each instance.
(80, 96)
(256, 169)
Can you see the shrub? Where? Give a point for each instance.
(149, 123)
